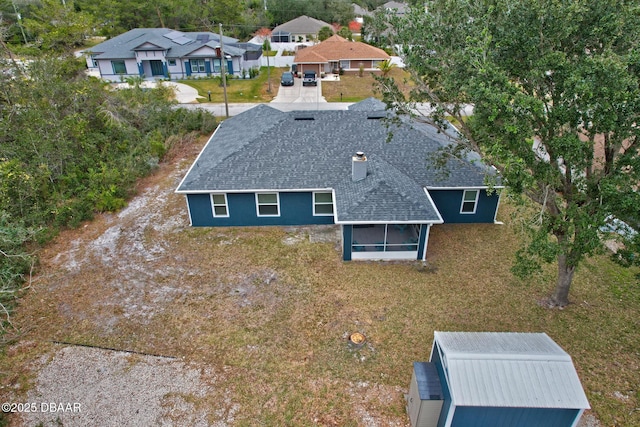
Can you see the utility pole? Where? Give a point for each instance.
(19, 17)
(224, 72)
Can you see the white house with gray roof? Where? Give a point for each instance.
(299, 30)
(166, 53)
(267, 167)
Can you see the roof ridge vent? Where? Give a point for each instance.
(304, 116)
(376, 115)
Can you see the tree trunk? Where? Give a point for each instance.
(560, 296)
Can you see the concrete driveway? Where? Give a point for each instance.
(299, 93)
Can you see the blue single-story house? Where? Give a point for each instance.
(500, 379)
(268, 167)
(165, 53)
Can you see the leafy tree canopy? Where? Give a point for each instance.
(555, 90)
(325, 33)
(330, 11)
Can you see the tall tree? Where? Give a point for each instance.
(58, 26)
(555, 90)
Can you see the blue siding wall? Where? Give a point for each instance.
(472, 416)
(424, 229)
(347, 236)
(200, 209)
(295, 209)
(448, 203)
(446, 405)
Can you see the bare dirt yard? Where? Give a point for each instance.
(137, 319)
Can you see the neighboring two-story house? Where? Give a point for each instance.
(267, 167)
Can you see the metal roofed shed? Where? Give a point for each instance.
(504, 379)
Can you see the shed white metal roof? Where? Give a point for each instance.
(509, 369)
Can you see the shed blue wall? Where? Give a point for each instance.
(448, 203)
(296, 208)
(446, 404)
(473, 416)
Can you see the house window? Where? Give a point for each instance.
(345, 64)
(119, 67)
(219, 202)
(172, 62)
(469, 201)
(197, 66)
(322, 204)
(268, 204)
(217, 67)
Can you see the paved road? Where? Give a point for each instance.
(218, 110)
(289, 98)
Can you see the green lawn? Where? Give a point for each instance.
(353, 88)
(238, 90)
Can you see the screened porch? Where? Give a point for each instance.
(385, 241)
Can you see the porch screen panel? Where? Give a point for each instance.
(385, 237)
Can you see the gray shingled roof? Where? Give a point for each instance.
(369, 104)
(385, 195)
(266, 149)
(124, 45)
(301, 25)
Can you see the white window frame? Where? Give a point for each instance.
(258, 204)
(465, 200)
(199, 66)
(214, 204)
(171, 62)
(346, 62)
(315, 203)
(119, 61)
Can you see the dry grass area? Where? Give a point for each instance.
(264, 315)
(355, 88)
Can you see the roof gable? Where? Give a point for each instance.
(385, 195)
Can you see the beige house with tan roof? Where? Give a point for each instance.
(337, 53)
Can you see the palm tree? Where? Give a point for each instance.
(386, 66)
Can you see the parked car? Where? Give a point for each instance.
(309, 79)
(287, 79)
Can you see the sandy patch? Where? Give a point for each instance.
(81, 386)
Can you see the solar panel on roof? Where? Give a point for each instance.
(174, 35)
(182, 40)
(203, 38)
